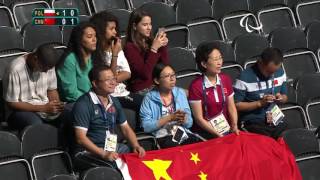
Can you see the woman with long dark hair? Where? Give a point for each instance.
(76, 63)
(143, 51)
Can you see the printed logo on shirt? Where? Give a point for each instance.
(96, 112)
(111, 109)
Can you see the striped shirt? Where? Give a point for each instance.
(252, 86)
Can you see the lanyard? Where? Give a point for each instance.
(267, 84)
(105, 117)
(205, 96)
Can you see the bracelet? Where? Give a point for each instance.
(115, 56)
(153, 49)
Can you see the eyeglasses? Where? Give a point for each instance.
(167, 76)
(217, 58)
(110, 80)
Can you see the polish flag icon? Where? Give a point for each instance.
(49, 12)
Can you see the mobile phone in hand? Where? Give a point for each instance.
(160, 31)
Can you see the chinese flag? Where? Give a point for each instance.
(49, 21)
(244, 157)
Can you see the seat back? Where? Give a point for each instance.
(11, 145)
(6, 17)
(100, 173)
(37, 138)
(313, 113)
(138, 3)
(232, 70)
(255, 5)
(11, 39)
(82, 5)
(248, 46)
(161, 13)
(287, 39)
(181, 59)
(48, 164)
(34, 36)
(178, 36)
(309, 167)
(101, 5)
(295, 117)
(298, 63)
(308, 12)
(63, 177)
(188, 10)
(15, 169)
(22, 11)
(313, 36)
(236, 24)
(223, 7)
(185, 80)
(227, 52)
(276, 17)
(204, 30)
(308, 88)
(301, 141)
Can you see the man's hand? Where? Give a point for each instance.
(139, 150)
(279, 98)
(109, 156)
(267, 99)
(53, 107)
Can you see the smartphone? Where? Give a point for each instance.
(178, 135)
(160, 30)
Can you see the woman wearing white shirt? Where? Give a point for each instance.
(109, 52)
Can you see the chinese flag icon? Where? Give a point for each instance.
(49, 21)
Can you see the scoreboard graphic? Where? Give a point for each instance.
(55, 17)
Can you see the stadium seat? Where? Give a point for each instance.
(232, 70)
(298, 63)
(182, 60)
(66, 30)
(22, 11)
(185, 80)
(292, 3)
(224, 7)
(301, 141)
(272, 18)
(288, 39)
(123, 16)
(101, 5)
(313, 113)
(33, 36)
(313, 36)
(256, 5)
(309, 167)
(15, 169)
(138, 3)
(226, 51)
(6, 17)
(308, 12)
(178, 36)
(248, 46)
(11, 145)
(10, 39)
(188, 10)
(233, 26)
(161, 13)
(63, 177)
(250, 62)
(82, 5)
(101, 173)
(40, 144)
(204, 30)
(295, 116)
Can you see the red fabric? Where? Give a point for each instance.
(244, 157)
(141, 65)
(214, 108)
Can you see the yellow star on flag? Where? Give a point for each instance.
(195, 158)
(159, 168)
(202, 176)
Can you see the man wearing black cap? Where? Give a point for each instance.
(30, 88)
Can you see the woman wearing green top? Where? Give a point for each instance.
(76, 63)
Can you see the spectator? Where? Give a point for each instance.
(257, 89)
(109, 52)
(30, 89)
(96, 114)
(76, 63)
(165, 108)
(211, 95)
(143, 51)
